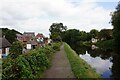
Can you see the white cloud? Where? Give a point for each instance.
(38, 15)
(99, 64)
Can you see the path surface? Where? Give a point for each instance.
(60, 66)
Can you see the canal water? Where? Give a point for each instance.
(102, 61)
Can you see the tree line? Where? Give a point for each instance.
(74, 37)
(10, 35)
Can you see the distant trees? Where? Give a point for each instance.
(116, 23)
(72, 37)
(105, 34)
(56, 30)
(10, 35)
(94, 33)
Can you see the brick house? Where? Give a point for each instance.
(41, 39)
(27, 40)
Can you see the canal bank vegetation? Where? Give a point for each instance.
(79, 67)
(29, 65)
(107, 44)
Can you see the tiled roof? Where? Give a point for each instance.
(39, 35)
(4, 43)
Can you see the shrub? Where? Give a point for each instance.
(30, 65)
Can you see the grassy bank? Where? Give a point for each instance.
(108, 44)
(30, 65)
(79, 67)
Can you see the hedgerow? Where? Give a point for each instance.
(30, 65)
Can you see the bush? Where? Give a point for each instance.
(56, 46)
(30, 65)
(16, 49)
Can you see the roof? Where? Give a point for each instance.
(32, 42)
(5, 43)
(30, 34)
(39, 35)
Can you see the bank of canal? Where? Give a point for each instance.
(80, 68)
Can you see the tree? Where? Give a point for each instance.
(16, 49)
(85, 36)
(94, 33)
(105, 34)
(56, 29)
(116, 24)
(72, 37)
(10, 35)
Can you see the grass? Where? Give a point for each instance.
(79, 67)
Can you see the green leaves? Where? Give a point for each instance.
(116, 24)
(56, 29)
(30, 65)
(16, 49)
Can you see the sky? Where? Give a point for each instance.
(38, 15)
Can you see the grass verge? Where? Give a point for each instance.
(79, 67)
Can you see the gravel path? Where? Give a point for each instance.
(60, 66)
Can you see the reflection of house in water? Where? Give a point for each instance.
(4, 47)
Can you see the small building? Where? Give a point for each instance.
(4, 47)
(94, 40)
(31, 45)
(40, 37)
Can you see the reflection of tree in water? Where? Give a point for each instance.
(116, 66)
(104, 54)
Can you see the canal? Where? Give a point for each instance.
(105, 61)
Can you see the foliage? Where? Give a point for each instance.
(105, 34)
(94, 33)
(108, 44)
(56, 30)
(79, 67)
(16, 49)
(10, 35)
(85, 36)
(30, 65)
(116, 26)
(71, 36)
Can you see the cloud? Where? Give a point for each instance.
(104, 64)
(38, 15)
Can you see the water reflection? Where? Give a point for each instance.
(102, 66)
(105, 61)
(116, 66)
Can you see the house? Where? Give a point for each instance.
(4, 47)
(49, 41)
(31, 45)
(94, 40)
(28, 40)
(41, 39)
